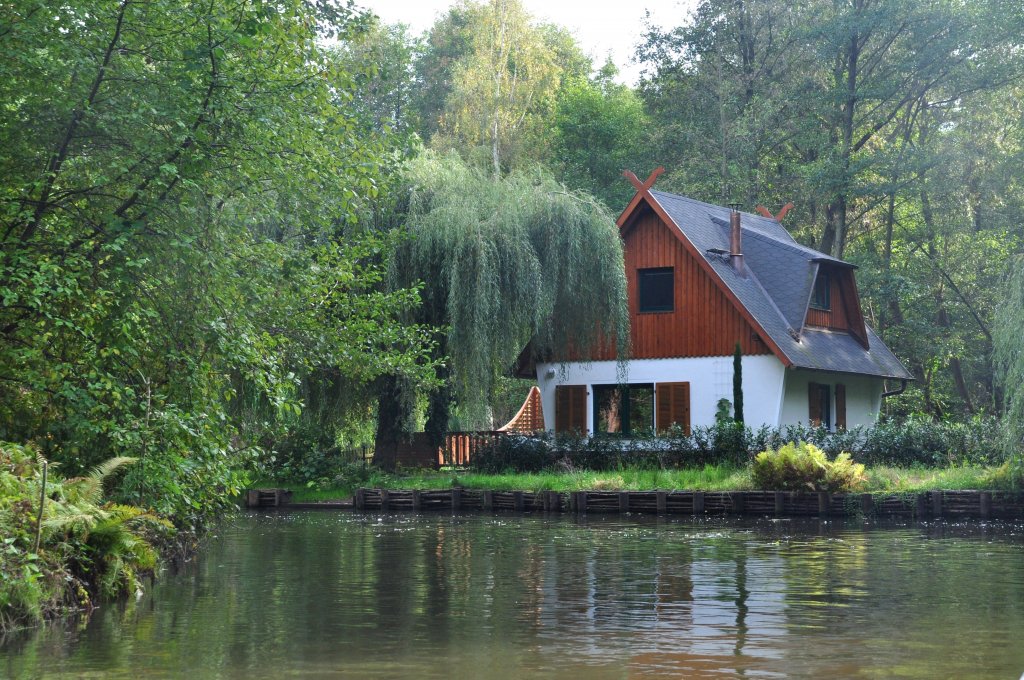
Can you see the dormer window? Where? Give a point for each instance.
(822, 297)
(656, 289)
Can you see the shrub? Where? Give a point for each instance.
(805, 467)
(86, 545)
(917, 440)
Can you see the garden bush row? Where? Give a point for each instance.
(914, 441)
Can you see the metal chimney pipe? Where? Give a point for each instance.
(736, 240)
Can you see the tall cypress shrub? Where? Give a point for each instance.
(737, 384)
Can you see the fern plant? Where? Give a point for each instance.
(800, 466)
(115, 539)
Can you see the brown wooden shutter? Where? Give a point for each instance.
(814, 404)
(673, 405)
(571, 408)
(840, 406)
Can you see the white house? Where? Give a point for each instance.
(702, 278)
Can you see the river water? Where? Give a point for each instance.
(323, 594)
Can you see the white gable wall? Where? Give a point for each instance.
(710, 379)
(863, 396)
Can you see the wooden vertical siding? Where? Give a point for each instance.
(704, 321)
(835, 318)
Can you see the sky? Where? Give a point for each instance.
(602, 27)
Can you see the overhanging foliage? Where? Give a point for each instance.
(507, 262)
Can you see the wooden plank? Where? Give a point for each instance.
(571, 408)
(705, 321)
(360, 498)
(385, 500)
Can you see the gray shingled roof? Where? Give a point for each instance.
(777, 287)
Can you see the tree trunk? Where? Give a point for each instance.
(391, 419)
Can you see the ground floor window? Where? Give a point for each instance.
(623, 409)
(819, 401)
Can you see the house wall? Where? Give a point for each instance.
(704, 323)
(710, 379)
(863, 396)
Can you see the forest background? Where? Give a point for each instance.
(229, 229)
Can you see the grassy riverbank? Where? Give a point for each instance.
(707, 478)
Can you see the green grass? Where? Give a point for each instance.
(926, 479)
(708, 478)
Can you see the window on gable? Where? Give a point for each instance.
(656, 289)
(822, 298)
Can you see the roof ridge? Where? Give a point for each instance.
(710, 205)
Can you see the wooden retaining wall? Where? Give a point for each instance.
(931, 504)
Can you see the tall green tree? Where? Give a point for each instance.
(600, 129)
(180, 185)
(1010, 357)
(489, 75)
(506, 263)
(876, 119)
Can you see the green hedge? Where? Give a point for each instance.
(913, 441)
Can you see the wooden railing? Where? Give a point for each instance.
(460, 447)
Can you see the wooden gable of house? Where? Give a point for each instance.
(843, 312)
(703, 320)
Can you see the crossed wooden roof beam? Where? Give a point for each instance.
(644, 189)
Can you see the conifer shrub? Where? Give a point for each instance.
(801, 466)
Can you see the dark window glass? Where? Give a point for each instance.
(822, 298)
(656, 289)
(623, 410)
(825, 394)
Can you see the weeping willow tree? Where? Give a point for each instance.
(1009, 360)
(505, 264)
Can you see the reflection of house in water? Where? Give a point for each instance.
(698, 604)
(655, 595)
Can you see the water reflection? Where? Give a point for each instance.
(505, 596)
